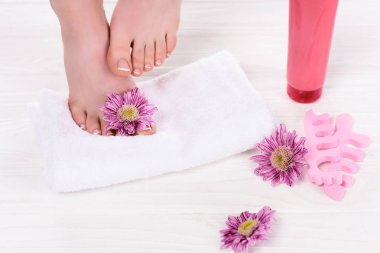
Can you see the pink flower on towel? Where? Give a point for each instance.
(281, 158)
(245, 230)
(128, 113)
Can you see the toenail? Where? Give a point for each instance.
(148, 66)
(82, 126)
(96, 132)
(109, 133)
(158, 62)
(168, 54)
(123, 65)
(137, 72)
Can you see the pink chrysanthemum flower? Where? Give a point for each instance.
(245, 230)
(128, 113)
(281, 158)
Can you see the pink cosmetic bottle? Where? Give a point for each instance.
(311, 25)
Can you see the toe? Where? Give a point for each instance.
(119, 55)
(138, 58)
(171, 41)
(150, 131)
(103, 126)
(93, 124)
(160, 52)
(79, 116)
(149, 57)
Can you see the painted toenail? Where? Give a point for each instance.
(148, 66)
(96, 132)
(82, 126)
(158, 62)
(137, 72)
(123, 65)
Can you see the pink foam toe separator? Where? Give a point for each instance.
(327, 145)
(336, 192)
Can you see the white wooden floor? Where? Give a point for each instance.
(183, 212)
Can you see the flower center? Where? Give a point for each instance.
(281, 158)
(128, 113)
(247, 227)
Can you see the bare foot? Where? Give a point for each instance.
(143, 34)
(85, 38)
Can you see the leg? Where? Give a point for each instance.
(85, 36)
(143, 34)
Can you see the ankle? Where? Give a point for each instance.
(81, 21)
(77, 16)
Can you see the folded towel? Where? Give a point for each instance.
(207, 110)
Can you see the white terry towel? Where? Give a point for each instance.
(207, 110)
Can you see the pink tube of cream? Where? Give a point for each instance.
(311, 25)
